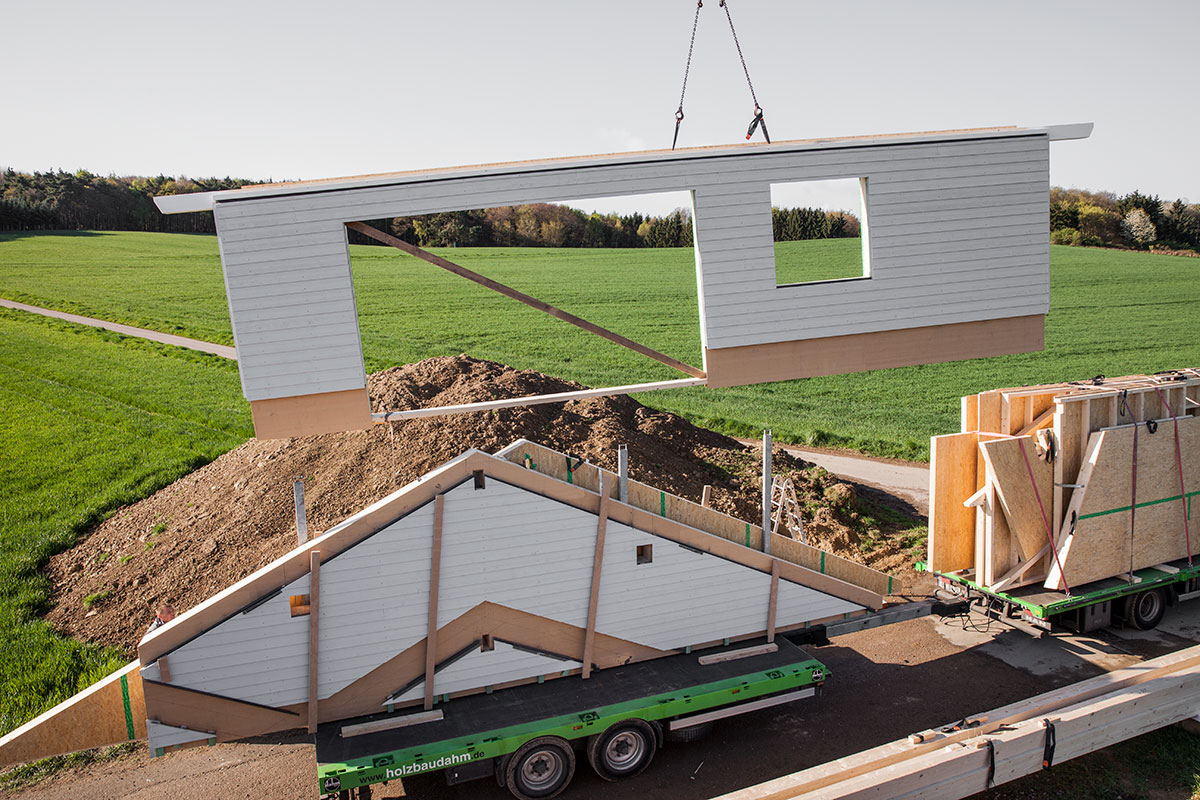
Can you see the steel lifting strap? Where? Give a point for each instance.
(1187, 536)
(1045, 519)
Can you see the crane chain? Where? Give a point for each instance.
(758, 112)
(687, 68)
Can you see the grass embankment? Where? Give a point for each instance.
(89, 422)
(1113, 313)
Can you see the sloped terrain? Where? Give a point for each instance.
(227, 519)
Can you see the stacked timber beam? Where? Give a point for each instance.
(964, 758)
(1064, 484)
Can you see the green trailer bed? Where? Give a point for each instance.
(477, 728)
(1038, 603)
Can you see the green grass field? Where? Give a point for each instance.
(818, 260)
(89, 422)
(1113, 313)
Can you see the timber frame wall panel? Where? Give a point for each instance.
(957, 235)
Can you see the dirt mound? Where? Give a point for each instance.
(227, 519)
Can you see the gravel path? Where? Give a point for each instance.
(127, 330)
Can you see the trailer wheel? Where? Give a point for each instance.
(1146, 609)
(541, 767)
(622, 751)
(692, 733)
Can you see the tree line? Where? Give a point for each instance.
(41, 201)
(59, 200)
(1136, 220)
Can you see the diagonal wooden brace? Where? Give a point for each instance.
(532, 302)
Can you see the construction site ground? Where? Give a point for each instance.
(227, 519)
(886, 683)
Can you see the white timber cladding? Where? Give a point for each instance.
(260, 655)
(684, 597)
(957, 228)
(160, 735)
(488, 668)
(373, 605)
(500, 544)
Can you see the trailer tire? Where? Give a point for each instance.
(1146, 609)
(692, 733)
(540, 768)
(622, 751)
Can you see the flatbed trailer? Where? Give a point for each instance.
(525, 736)
(1140, 602)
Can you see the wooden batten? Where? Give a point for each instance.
(314, 638)
(597, 566)
(859, 352)
(311, 414)
(435, 572)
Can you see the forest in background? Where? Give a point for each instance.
(81, 200)
(84, 201)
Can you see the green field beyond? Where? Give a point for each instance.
(1113, 313)
(89, 422)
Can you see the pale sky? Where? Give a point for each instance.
(302, 89)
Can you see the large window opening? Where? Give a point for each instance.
(820, 231)
(624, 264)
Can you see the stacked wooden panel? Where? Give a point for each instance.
(1063, 484)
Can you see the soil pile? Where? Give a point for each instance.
(208, 530)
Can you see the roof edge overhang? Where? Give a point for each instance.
(207, 201)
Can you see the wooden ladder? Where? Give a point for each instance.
(785, 510)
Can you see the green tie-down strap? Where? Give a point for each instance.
(128, 711)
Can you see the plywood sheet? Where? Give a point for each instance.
(311, 414)
(857, 352)
(110, 711)
(1103, 543)
(952, 476)
(1023, 498)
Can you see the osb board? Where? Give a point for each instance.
(685, 512)
(93, 718)
(311, 414)
(1025, 490)
(1103, 543)
(952, 479)
(859, 352)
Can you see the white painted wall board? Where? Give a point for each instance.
(683, 597)
(479, 669)
(160, 735)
